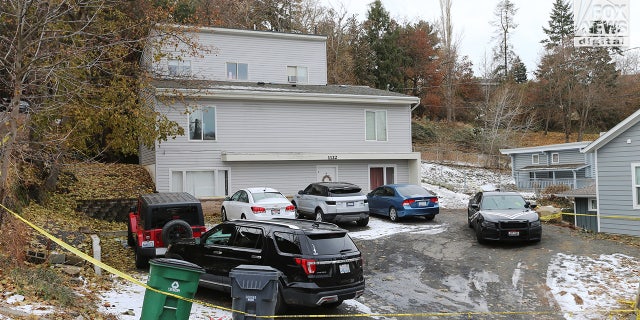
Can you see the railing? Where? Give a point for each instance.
(540, 184)
(445, 156)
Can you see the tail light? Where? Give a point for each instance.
(408, 202)
(308, 265)
(434, 200)
(290, 208)
(258, 210)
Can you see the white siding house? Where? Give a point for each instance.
(257, 111)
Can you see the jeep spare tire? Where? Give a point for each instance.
(174, 230)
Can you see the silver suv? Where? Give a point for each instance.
(332, 202)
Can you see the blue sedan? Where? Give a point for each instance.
(403, 200)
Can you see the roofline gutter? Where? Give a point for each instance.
(257, 95)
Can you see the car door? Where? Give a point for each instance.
(240, 204)
(212, 253)
(245, 248)
(474, 206)
(375, 200)
(303, 199)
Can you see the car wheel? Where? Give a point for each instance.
(142, 262)
(174, 230)
(393, 214)
(130, 240)
(319, 215)
(363, 222)
(479, 237)
(223, 214)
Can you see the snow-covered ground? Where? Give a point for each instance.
(577, 283)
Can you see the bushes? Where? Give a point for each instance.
(420, 132)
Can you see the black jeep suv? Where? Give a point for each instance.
(159, 219)
(319, 263)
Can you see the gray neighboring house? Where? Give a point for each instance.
(257, 111)
(535, 168)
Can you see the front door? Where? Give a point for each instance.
(327, 173)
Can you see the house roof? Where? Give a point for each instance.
(271, 91)
(549, 147)
(589, 191)
(621, 127)
(555, 167)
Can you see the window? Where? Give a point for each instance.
(287, 242)
(296, 74)
(201, 183)
(376, 125)
(535, 159)
(247, 237)
(237, 71)
(593, 204)
(202, 124)
(179, 68)
(381, 175)
(555, 158)
(635, 173)
(220, 235)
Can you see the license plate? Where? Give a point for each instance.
(350, 204)
(344, 268)
(148, 244)
(422, 203)
(275, 211)
(514, 233)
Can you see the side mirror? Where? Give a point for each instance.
(475, 206)
(227, 198)
(300, 191)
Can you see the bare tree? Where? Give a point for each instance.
(449, 54)
(504, 23)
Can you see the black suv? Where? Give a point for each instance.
(496, 215)
(319, 263)
(159, 219)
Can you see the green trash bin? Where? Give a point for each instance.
(173, 276)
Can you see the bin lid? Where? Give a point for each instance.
(175, 263)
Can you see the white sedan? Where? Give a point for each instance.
(257, 204)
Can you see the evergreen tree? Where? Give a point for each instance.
(561, 28)
(503, 53)
(518, 72)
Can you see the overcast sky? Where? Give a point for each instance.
(471, 22)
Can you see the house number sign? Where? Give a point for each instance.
(332, 157)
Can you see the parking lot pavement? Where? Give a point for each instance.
(438, 267)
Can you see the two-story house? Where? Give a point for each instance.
(257, 111)
(535, 168)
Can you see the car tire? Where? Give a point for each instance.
(479, 237)
(223, 215)
(142, 262)
(319, 215)
(281, 305)
(393, 214)
(174, 230)
(130, 240)
(363, 222)
(297, 214)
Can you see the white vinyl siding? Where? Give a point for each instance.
(376, 125)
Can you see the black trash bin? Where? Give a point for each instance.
(254, 290)
(174, 276)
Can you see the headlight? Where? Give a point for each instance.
(536, 224)
(488, 224)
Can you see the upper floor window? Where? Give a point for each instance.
(535, 159)
(376, 125)
(635, 174)
(202, 124)
(178, 68)
(555, 158)
(297, 74)
(237, 71)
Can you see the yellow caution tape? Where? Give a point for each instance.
(602, 216)
(430, 314)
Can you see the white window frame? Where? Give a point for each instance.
(237, 71)
(590, 204)
(635, 185)
(297, 74)
(376, 125)
(535, 159)
(384, 173)
(193, 113)
(179, 67)
(217, 184)
(555, 154)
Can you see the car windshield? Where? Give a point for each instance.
(409, 191)
(330, 243)
(503, 202)
(258, 196)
